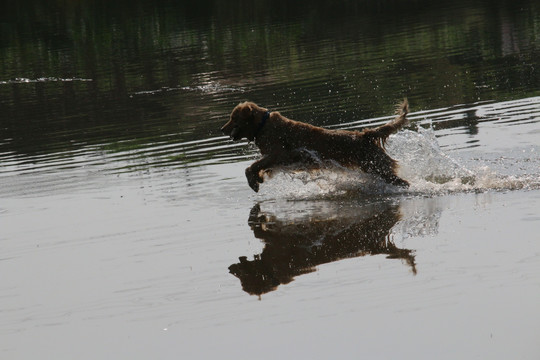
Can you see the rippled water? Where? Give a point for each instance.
(129, 230)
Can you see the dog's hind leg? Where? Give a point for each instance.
(388, 176)
(385, 167)
(395, 180)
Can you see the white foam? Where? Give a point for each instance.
(421, 162)
(322, 183)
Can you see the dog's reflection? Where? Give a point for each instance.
(296, 245)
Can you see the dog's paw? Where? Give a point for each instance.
(254, 186)
(253, 179)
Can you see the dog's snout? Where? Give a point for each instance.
(231, 130)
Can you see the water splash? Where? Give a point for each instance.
(431, 170)
(422, 162)
(324, 183)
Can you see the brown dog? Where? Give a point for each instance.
(283, 142)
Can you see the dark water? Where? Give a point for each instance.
(129, 231)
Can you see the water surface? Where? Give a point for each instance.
(129, 230)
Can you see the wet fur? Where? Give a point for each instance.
(283, 141)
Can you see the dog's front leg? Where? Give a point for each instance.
(253, 172)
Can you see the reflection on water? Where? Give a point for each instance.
(296, 245)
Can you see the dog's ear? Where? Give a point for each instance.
(247, 112)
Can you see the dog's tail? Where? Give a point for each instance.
(381, 133)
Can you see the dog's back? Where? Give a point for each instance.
(344, 146)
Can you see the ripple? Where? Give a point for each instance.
(42, 80)
(211, 87)
(461, 163)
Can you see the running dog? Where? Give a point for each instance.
(284, 141)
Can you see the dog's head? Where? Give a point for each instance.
(245, 119)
